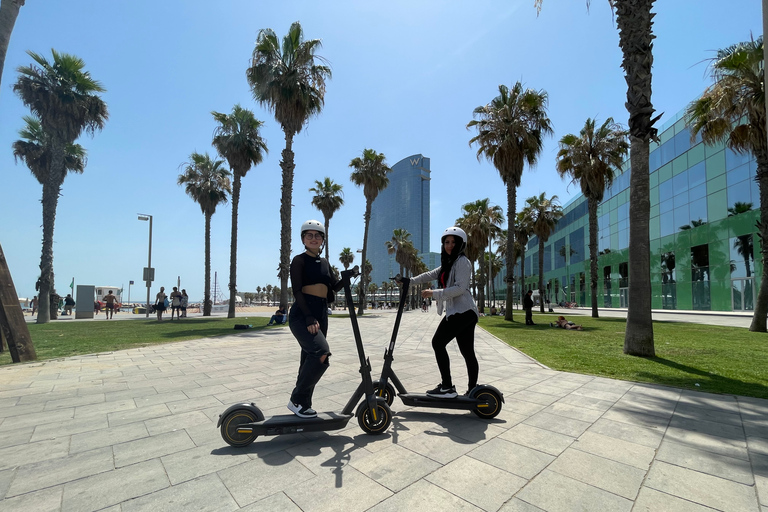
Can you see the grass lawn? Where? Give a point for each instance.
(714, 359)
(62, 338)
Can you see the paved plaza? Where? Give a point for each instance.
(135, 430)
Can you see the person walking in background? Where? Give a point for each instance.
(34, 303)
(161, 302)
(110, 301)
(176, 303)
(69, 303)
(461, 315)
(528, 307)
(184, 303)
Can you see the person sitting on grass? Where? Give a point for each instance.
(565, 324)
(278, 317)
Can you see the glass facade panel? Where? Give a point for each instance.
(736, 175)
(742, 256)
(668, 281)
(666, 191)
(697, 175)
(700, 277)
(739, 193)
(682, 217)
(667, 151)
(577, 245)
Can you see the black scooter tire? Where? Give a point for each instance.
(368, 424)
(230, 424)
(493, 406)
(387, 393)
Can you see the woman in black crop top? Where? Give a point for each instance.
(311, 279)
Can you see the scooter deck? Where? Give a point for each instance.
(292, 424)
(423, 400)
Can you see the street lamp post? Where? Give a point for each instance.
(149, 273)
(489, 265)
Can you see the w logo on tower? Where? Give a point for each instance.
(415, 161)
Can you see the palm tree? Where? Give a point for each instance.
(481, 222)
(9, 11)
(546, 213)
(237, 140)
(288, 80)
(328, 199)
(733, 110)
(634, 20)
(591, 159)
(206, 181)
(346, 257)
(63, 97)
(370, 172)
(523, 232)
(510, 133)
(400, 236)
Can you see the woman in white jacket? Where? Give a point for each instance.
(453, 296)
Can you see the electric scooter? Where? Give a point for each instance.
(242, 423)
(484, 400)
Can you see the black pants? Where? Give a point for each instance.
(313, 347)
(529, 316)
(462, 327)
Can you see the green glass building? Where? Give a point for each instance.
(704, 205)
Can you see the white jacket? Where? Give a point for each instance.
(455, 297)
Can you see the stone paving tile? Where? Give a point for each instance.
(278, 502)
(347, 490)
(682, 455)
(555, 492)
(107, 437)
(11, 409)
(637, 418)
(514, 458)
(15, 437)
(36, 419)
(708, 427)
(587, 402)
(756, 428)
(395, 467)
(438, 446)
(159, 398)
(140, 414)
(46, 500)
(6, 476)
(68, 427)
(699, 488)
(328, 453)
(648, 437)
(424, 496)
(736, 448)
(207, 493)
(104, 408)
(537, 398)
(33, 452)
(612, 476)
(479, 483)
(696, 412)
(718, 402)
(539, 439)
(50, 473)
(152, 447)
(107, 489)
(518, 505)
(262, 477)
(560, 424)
(574, 412)
(522, 406)
(651, 500)
(597, 394)
(73, 401)
(617, 450)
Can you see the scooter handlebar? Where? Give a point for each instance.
(351, 273)
(400, 279)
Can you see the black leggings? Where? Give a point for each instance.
(313, 348)
(462, 327)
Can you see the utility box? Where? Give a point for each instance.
(149, 274)
(86, 294)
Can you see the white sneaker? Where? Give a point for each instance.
(300, 411)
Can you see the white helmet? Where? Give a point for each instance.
(312, 225)
(455, 231)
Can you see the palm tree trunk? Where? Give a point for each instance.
(327, 226)
(361, 286)
(207, 299)
(761, 305)
(9, 11)
(541, 274)
(51, 189)
(480, 285)
(511, 200)
(592, 207)
(634, 20)
(522, 269)
(233, 249)
(287, 165)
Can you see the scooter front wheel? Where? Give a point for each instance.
(386, 392)
(490, 405)
(230, 425)
(367, 422)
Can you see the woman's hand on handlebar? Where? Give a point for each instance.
(426, 294)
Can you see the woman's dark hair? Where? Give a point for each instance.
(447, 260)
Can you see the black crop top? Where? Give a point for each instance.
(307, 270)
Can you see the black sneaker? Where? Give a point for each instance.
(442, 392)
(302, 412)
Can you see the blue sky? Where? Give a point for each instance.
(406, 77)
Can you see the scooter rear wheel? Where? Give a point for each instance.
(491, 406)
(366, 421)
(230, 424)
(387, 393)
